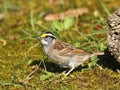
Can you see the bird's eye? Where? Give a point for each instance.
(46, 36)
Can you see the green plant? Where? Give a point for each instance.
(104, 7)
(57, 26)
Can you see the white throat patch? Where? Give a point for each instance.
(44, 42)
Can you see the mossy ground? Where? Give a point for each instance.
(18, 52)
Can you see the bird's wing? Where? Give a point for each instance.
(64, 49)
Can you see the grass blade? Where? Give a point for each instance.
(104, 7)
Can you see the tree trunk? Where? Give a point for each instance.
(113, 34)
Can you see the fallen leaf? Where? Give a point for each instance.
(13, 8)
(3, 41)
(99, 27)
(62, 15)
(96, 13)
(55, 2)
(22, 42)
(2, 16)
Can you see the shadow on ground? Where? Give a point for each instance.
(50, 66)
(109, 61)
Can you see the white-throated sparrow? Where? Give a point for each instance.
(63, 54)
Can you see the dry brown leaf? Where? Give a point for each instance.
(54, 2)
(2, 16)
(3, 41)
(29, 76)
(62, 15)
(96, 13)
(13, 8)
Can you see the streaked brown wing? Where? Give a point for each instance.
(59, 45)
(66, 49)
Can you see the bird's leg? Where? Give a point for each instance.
(63, 72)
(69, 71)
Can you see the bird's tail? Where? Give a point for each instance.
(97, 53)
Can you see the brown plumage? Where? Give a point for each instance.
(66, 49)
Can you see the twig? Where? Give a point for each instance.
(29, 76)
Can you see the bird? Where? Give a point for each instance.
(62, 53)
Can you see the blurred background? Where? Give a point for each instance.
(81, 23)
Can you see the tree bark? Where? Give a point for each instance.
(113, 34)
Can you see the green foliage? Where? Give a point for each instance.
(104, 7)
(102, 46)
(45, 75)
(57, 25)
(66, 24)
(93, 61)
